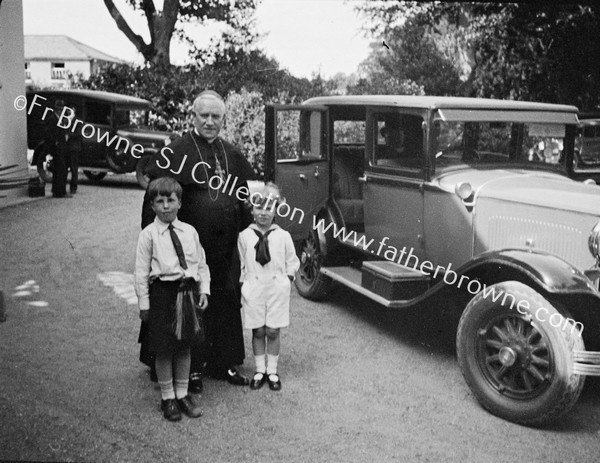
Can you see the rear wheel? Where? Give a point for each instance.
(45, 167)
(311, 283)
(93, 175)
(517, 364)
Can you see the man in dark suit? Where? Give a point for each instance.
(56, 142)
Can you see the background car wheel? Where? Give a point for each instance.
(44, 167)
(310, 283)
(141, 177)
(120, 161)
(519, 367)
(93, 175)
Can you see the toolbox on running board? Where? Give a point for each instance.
(392, 281)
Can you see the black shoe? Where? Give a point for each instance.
(274, 382)
(234, 377)
(188, 407)
(257, 383)
(170, 409)
(196, 385)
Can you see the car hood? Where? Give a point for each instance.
(539, 188)
(147, 135)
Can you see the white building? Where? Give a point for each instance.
(49, 59)
(13, 124)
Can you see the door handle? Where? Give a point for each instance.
(317, 171)
(362, 179)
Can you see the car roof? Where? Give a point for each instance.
(108, 97)
(435, 102)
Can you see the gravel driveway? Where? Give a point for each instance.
(360, 383)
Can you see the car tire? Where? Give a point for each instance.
(310, 282)
(94, 176)
(140, 167)
(518, 365)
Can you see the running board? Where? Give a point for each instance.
(352, 278)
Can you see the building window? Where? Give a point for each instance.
(58, 71)
(27, 71)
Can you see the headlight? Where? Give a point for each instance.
(594, 242)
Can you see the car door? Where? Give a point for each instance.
(393, 185)
(98, 115)
(297, 159)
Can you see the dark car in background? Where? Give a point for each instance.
(113, 129)
(586, 164)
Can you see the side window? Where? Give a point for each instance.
(398, 140)
(299, 136)
(97, 113)
(349, 132)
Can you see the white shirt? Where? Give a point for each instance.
(156, 258)
(281, 248)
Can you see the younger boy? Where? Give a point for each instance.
(171, 281)
(268, 265)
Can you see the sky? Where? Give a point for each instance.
(304, 36)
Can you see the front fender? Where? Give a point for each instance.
(546, 270)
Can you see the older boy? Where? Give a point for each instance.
(171, 271)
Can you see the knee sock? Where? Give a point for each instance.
(166, 389)
(272, 364)
(259, 361)
(181, 388)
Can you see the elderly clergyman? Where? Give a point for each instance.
(195, 159)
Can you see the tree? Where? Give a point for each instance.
(406, 57)
(528, 51)
(162, 25)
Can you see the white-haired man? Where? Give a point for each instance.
(196, 160)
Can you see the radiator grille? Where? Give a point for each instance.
(565, 241)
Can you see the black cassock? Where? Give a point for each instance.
(218, 217)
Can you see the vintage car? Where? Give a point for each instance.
(413, 199)
(586, 163)
(113, 130)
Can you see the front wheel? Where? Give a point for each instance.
(517, 362)
(140, 175)
(311, 283)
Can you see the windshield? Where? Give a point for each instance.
(510, 144)
(131, 117)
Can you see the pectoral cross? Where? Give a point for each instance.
(218, 170)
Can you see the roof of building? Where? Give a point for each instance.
(63, 48)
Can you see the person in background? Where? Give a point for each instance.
(268, 265)
(56, 142)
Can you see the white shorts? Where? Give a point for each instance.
(266, 301)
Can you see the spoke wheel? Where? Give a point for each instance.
(515, 358)
(310, 282)
(518, 366)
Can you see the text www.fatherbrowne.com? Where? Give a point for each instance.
(407, 258)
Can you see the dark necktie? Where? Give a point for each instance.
(263, 255)
(178, 247)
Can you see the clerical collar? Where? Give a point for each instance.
(203, 138)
